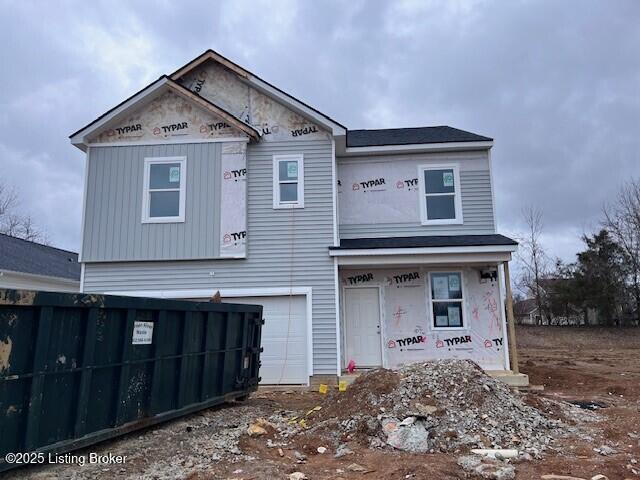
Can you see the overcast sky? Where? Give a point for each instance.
(555, 83)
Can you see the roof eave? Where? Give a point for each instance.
(80, 138)
(341, 252)
(416, 148)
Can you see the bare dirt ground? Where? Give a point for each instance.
(586, 365)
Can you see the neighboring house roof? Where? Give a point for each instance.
(20, 255)
(525, 307)
(425, 241)
(411, 136)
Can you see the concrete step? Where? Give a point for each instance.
(510, 378)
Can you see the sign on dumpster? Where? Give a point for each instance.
(142, 333)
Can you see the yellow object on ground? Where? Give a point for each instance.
(342, 385)
(323, 388)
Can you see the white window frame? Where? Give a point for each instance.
(277, 204)
(463, 308)
(457, 195)
(146, 192)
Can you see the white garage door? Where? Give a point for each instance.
(284, 338)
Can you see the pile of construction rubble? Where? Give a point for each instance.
(444, 405)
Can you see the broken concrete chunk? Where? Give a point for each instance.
(408, 421)
(605, 450)
(297, 476)
(486, 468)
(342, 451)
(354, 467)
(425, 410)
(413, 437)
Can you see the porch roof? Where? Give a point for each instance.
(425, 241)
(435, 249)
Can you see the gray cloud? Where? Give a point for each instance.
(557, 84)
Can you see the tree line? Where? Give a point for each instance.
(15, 223)
(602, 286)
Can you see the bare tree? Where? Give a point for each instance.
(622, 220)
(12, 222)
(533, 258)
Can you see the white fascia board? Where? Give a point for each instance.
(467, 259)
(416, 148)
(210, 292)
(336, 129)
(79, 139)
(376, 252)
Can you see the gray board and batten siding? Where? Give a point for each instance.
(113, 228)
(285, 248)
(476, 196)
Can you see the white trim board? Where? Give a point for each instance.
(237, 292)
(339, 339)
(354, 252)
(415, 148)
(469, 259)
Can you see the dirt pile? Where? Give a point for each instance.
(444, 405)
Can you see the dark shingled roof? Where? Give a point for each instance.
(29, 257)
(425, 241)
(410, 136)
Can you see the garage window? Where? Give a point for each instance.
(288, 181)
(163, 197)
(440, 202)
(447, 300)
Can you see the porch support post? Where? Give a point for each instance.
(510, 321)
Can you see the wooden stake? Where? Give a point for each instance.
(513, 348)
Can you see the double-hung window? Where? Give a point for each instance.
(163, 197)
(447, 302)
(440, 202)
(288, 181)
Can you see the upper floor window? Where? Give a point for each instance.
(288, 181)
(163, 196)
(440, 202)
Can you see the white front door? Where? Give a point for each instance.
(362, 326)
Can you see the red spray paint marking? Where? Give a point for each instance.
(398, 315)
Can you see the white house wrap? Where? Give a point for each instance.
(408, 332)
(233, 195)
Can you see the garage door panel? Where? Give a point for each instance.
(284, 338)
